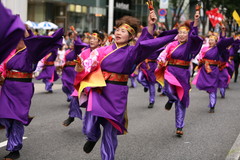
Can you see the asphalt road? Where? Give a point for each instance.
(151, 131)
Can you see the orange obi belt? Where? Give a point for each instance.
(115, 78)
(231, 57)
(209, 62)
(48, 63)
(178, 63)
(150, 61)
(222, 65)
(70, 64)
(18, 76)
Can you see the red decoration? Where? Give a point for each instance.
(214, 16)
(150, 5)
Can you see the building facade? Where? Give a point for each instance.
(18, 7)
(85, 15)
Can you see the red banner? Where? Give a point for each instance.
(214, 16)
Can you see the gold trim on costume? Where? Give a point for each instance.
(16, 53)
(112, 51)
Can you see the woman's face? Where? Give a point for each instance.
(212, 42)
(182, 36)
(121, 36)
(94, 42)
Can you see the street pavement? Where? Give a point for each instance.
(151, 132)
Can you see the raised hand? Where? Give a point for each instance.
(152, 18)
(197, 15)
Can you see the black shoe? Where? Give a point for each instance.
(159, 90)
(50, 91)
(150, 105)
(179, 132)
(68, 121)
(168, 105)
(145, 89)
(2, 127)
(88, 146)
(13, 155)
(211, 110)
(162, 95)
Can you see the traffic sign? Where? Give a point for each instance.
(162, 19)
(162, 12)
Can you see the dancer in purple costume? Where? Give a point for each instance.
(17, 89)
(208, 75)
(233, 52)
(49, 73)
(224, 77)
(236, 60)
(110, 67)
(178, 55)
(96, 40)
(146, 75)
(68, 72)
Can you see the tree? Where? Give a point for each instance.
(226, 7)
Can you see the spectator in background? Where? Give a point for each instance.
(69, 39)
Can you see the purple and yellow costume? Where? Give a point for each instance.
(106, 72)
(18, 89)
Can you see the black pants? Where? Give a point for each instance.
(193, 68)
(236, 66)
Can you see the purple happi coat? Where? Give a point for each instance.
(15, 96)
(11, 31)
(232, 50)
(209, 81)
(111, 102)
(49, 71)
(68, 72)
(177, 76)
(149, 65)
(224, 77)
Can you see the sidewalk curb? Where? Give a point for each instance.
(234, 152)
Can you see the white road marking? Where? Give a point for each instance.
(3, 144)
(234, 152)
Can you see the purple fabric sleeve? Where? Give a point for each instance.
(223, 44)
(11, 31)
(79, 45)
(147, 47)
(39, 46)
(195, 42)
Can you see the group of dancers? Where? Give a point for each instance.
(95, 76)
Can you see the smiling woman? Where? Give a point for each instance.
(127, 27)
(176, 58)
(104, 75)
